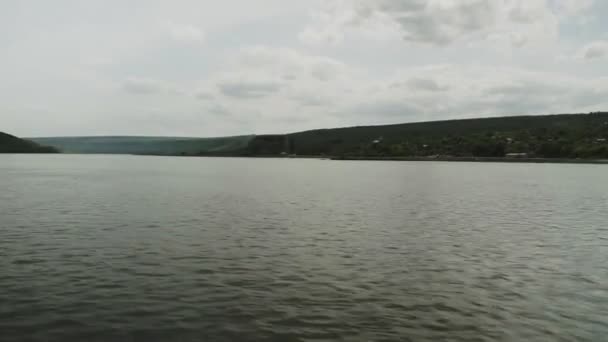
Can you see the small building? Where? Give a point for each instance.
(516, 155)
(377, 141)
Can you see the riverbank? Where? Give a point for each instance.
(425, 159)
(478, 159)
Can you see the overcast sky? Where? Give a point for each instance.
(213, 68)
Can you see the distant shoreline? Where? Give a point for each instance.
(563, 138)
(428, 159)
(365, 158)
(481, 159)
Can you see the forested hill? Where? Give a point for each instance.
(147, 145)
(12, 144)
(548, 136)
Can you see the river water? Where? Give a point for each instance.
(133, 248)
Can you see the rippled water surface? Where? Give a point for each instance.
(127, 248)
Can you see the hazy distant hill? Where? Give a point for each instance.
(565, 135)
(146, 145)
(548, 136)
(12, 144)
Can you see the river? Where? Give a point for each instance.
(135, 248)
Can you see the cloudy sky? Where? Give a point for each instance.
(212, 68)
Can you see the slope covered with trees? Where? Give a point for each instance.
(547, 136)
(12, 144)
(146, 145)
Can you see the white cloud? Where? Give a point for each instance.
(248, 89)
(143, 86)
(430, 92)
(594, 50)
(572, 7)
(434, 22)
(337, 18)
(307, 98)
(218, 109)
(471, 91)
(442, 22)
(258, 72)
(425, 84)
(288, 63)
(528, 11)
(204, 95)
(362, 62)
(186, 33)
(518, 40)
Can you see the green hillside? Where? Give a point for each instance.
(548, 136)
(146, 145)
(12, 144)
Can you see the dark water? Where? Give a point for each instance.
(125, 248)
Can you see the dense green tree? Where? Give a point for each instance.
(568, 135)
(12, 144)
